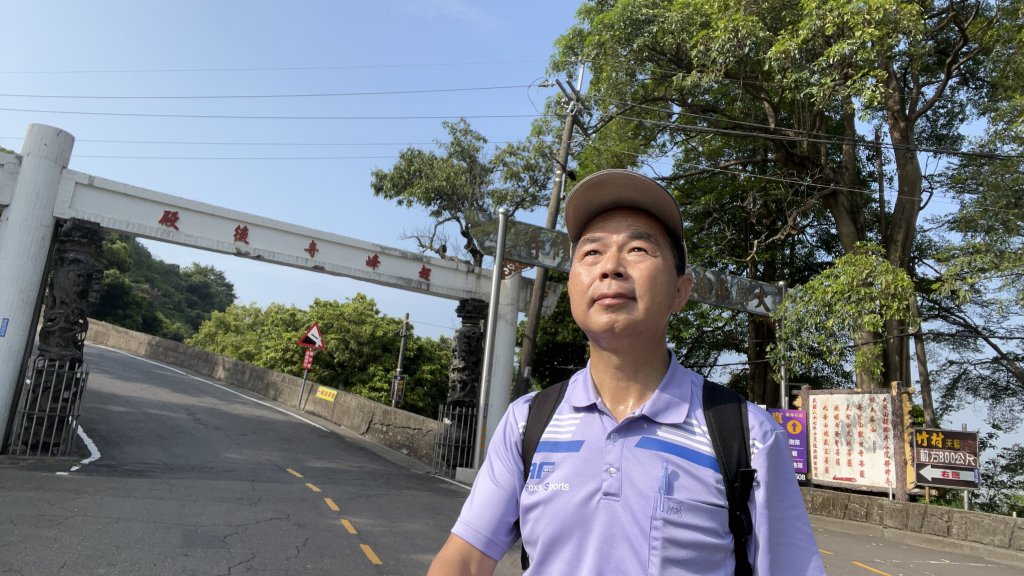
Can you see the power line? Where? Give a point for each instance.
(229, 143)
(743, 175)
(267, 96)
(272, 68)
(268, 117)
(836, 140)
(260, 158)
(750, 81)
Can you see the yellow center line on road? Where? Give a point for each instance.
(369, 554)
(294, 473)
(312, 487)
(348, 526)
(869, 568)
(826, 552)
(332, 505)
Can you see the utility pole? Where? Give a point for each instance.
(537, 295)
(398, 383)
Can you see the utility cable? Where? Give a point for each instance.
(272, 68)
(267, 96)
(266, 117)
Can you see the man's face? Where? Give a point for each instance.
(623, 281)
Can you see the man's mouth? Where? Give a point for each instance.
(612, 298)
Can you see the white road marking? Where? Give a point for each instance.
(226, 389)
(94, 452)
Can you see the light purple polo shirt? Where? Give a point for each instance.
(641, 496)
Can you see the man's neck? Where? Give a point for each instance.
(625, 380)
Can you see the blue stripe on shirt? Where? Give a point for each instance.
(559, 446)
(688, 454)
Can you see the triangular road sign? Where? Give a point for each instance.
(312, 339)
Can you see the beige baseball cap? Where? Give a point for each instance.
(617, 188)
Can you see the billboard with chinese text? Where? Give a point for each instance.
(853, 440)
(946, 458)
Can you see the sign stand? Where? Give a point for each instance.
(312, 341)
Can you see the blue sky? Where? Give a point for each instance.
(233, 47)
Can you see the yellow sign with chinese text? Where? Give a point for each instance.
(325, 393)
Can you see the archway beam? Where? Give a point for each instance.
(162, 217)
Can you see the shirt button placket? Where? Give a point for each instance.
(611, 487)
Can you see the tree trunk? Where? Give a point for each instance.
(847, 209)
(922, 367)
(903, 222)
(761, 387)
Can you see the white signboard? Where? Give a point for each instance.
(852, 440)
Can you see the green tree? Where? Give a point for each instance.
(142, 293)
(774, 90)
(461, 181)
(561, 347)
(361, 351)
(817, 326)
(264, 337)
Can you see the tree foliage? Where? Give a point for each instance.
(771, 92)
(821, 320)
(462, 179)
(142, 293)
(361, 354)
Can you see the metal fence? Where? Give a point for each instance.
(453, 444)
(47, 415)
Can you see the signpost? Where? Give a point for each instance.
(397, 389)
(312, 341)
(946, 458)
(795, 423)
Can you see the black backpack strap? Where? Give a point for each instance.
(542, 408)
(725, 412)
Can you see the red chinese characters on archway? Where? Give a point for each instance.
(373, 262)
(425, 273)
(242, 234)
(170, 219)
(311, 249)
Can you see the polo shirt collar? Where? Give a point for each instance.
(669, 404)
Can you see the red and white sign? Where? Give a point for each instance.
(307, 362)
(312, 339)
(852, 440)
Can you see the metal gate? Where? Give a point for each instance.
(46, 421)
(453, 444)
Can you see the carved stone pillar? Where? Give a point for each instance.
(72, 291)
(53, 394)
(467, 353)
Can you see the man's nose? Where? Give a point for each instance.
(612, 267)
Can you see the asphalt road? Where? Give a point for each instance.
(195, 477)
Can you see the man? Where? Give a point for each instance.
(625, 480)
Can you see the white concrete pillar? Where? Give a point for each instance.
(504, 354)
(26, 235)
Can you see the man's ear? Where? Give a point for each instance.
(684, 285)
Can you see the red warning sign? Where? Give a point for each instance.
(312, 339)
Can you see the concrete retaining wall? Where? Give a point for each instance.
(952, 525)
(399, 430)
